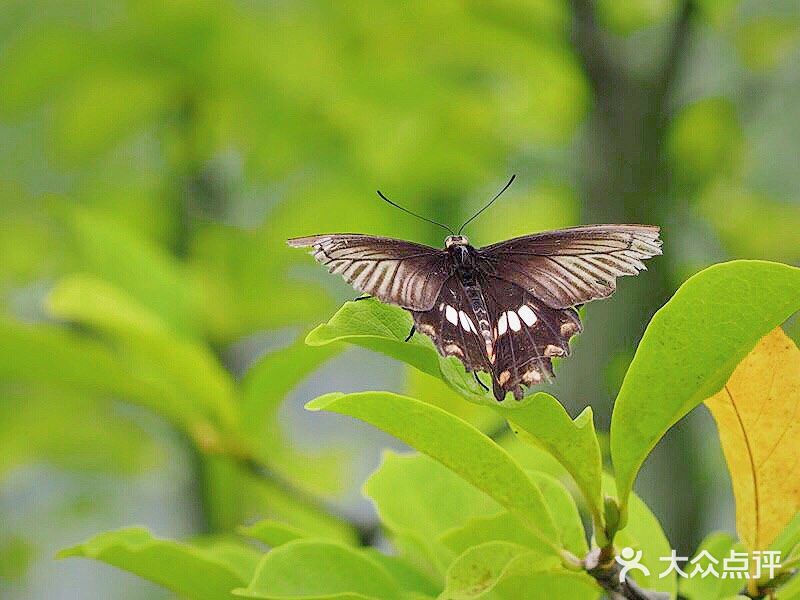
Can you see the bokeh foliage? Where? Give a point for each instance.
(156, 155)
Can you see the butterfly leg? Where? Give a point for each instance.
(480, 383)
(410, 333)
(364, 297)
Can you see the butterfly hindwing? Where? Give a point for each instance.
(572, 266)
(527, 335)
(394, 271)
(453, 327)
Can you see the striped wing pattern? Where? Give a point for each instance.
(394, 271)
(567, 267)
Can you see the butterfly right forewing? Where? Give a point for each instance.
(572, 266)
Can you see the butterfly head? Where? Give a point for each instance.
(455, 240)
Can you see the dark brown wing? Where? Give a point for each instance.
(394, 271)
(567, 267)
(527, 335)
(453, 327)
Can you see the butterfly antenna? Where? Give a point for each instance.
(396, 205)
(500, 193)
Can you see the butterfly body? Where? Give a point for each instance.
(506, 309)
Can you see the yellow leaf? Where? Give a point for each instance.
(758, 416)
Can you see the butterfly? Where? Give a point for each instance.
(506, 309)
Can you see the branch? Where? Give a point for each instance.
(673, 59)
(366, 532)
(601, 565)
(592, 47)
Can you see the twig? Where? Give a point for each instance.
(601, 565)
(593, 48)
(673, 60)
(367, 532)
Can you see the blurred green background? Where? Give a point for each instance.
(155, 156)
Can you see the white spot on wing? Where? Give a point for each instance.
(466, 322)
(568, 328)
(527, 315)
(513, 321)
(451, 314)
(532, 376)
(453, 349)
(502, 325)
(552, 350)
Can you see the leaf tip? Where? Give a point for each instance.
(70, 552)
(322, 402)
(313, 337)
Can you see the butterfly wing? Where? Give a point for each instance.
(394, 271)
(567, 267)
(523, 334)
(453, 327)
(527, 335)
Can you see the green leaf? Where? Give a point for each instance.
(502, 570)
(503, 527)
(52, 356)
(476, 571)
(532, 458)
(108, 250)
(564, 512)
(427, 555)
(643, 532)
(545, 423)
(186, 367)
(191, 571)
(414, 492)
(410, 579)
(70, 430)
(434, 390)
(508, 528)
(273, 533)
(312, 569)
(271, 500)
(788, 540)
(790, 590)
(545, 585)
(417, 499)
(239, 269)
(383, 328)
(715, 318)
(454, 443)
(240, 558)
(718, 545)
